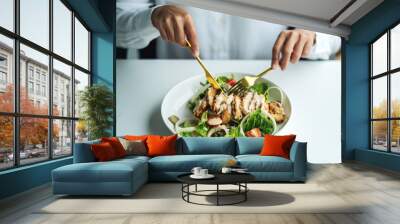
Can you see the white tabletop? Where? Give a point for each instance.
(313, 87)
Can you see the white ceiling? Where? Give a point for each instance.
(321, 9)
(328, 16)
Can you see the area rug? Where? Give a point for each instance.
(166, 198)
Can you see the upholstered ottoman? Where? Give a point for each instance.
(118, 177)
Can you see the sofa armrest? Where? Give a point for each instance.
(298, 155)
(83, 152)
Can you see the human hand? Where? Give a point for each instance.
(291, 45)
(175, 25)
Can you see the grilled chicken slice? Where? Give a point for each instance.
(211, 95)
(237, 111)
(226, 116)
(279, 118)
(214, 120)
(246, 103)
(276, 110)
(252, 104)
(219, 103)
(255, 132)
(259, 100)
(229, 101)
(200, 108)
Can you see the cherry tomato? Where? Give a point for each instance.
(232, 82)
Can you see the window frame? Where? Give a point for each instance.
(16, 115)
(388, 74)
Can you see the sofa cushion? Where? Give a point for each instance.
(116, 145)
(204, 145)
(246, 145)
(185, 163)
(161, 145)
(112, 171)
(134, 147)
(257, 163)
(103, 152)
(275, 145)
(134, 157)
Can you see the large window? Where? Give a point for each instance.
(385, 91)
(44, 64)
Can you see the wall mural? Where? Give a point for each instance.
(162, 90)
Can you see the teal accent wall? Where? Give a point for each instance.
(355, 60)
(380, 159)
(24, 178)
(99, 16)
(91, 12)
(103, 52)
(102, 59)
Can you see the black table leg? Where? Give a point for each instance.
(217, 194)
(188, 190)
(220, 193)
(245, 193)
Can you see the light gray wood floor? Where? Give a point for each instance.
(378, 188)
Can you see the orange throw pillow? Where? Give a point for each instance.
(116, 145)
(161, 145)
(103, 152)
(136, 137)
(277, 145)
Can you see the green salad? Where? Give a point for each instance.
(252, 114)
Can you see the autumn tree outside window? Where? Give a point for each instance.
(44, 64)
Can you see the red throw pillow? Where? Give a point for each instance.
(103, 151)
(116, 145)
(136, 137)
(277, 145)
(161, 145)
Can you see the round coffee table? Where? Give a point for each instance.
(238, 179)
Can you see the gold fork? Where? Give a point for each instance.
(210, 78)
(246, 82)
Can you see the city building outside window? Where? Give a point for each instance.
(56, 127)
(3, 77)
(30, 87)
(30, 72)
(37, 75)
(3, 60)
(38, 89)
(43, 90)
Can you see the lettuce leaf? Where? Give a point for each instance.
(234, 132)
(187, 134)
(202, 127)
(259, 120)
(222, 80)
(260, 88)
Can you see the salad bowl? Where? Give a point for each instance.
(180, 108)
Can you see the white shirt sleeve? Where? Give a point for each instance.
(134, 26)
(325, 47)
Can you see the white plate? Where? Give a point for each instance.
(175, 102)
(208, 176)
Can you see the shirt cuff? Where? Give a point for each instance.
(325, 45)
(150, 30)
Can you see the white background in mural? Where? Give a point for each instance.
(313, 87)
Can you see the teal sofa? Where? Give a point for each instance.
(125, 176)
